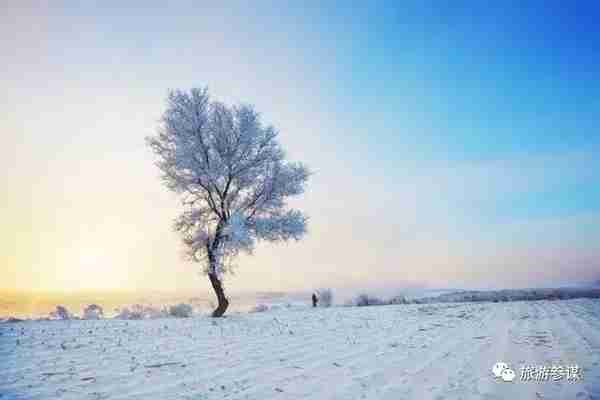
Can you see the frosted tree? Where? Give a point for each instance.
(233, 180)
(93, 311)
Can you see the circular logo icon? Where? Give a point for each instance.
(498, 368)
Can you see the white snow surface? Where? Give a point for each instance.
(434, 351)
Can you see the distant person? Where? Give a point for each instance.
(315, 299)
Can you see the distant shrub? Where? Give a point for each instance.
(126, 313)
(367, 300)
(398, 300)
(139, 311)
(93, 311)
(259, 308)
(182, 310)
(325, 297)
(62, 313)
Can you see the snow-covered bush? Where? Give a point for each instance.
(181, 311)
(368, 300)
(61, 312)
(126, 313)
(93, 311)
(259, 308)
(325, 297)
(398, 300)
(140, 311)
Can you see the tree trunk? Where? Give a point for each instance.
(212, 275)
(218, 288)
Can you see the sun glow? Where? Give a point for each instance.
(82, 267)
(91, 259)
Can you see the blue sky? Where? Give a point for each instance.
(477, 83)
(451, 143)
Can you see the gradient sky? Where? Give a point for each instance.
(453, 144)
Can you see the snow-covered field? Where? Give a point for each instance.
(437, 351)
